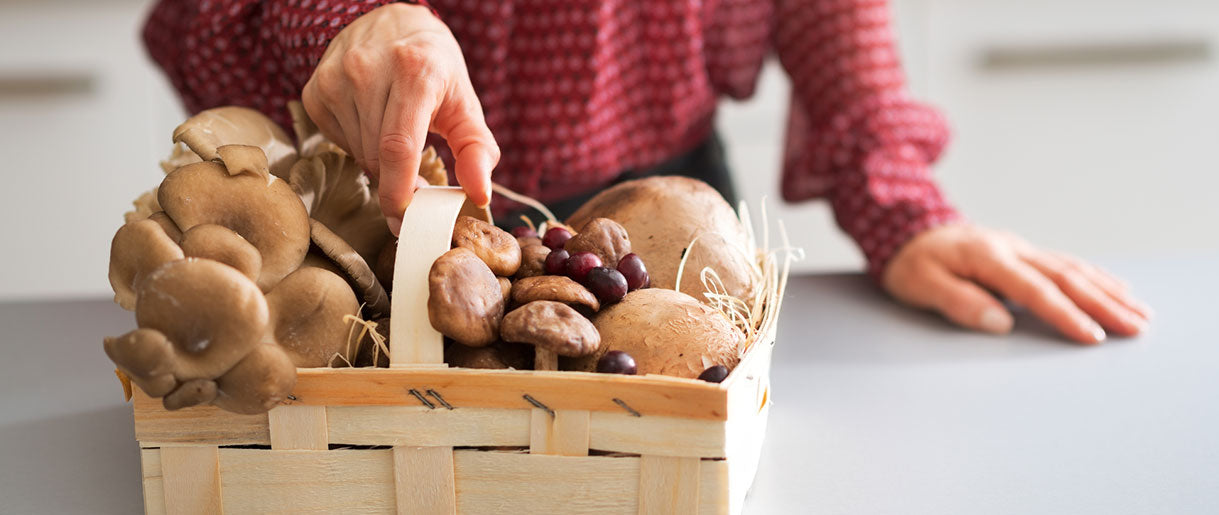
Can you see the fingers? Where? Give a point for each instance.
(1086, 294)
(1026, 286)
(965, 303)
(462, 125)
(1116, 288)
(371, 94)
(403, 132)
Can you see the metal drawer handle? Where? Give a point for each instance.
(42, 83)
(1116, 53)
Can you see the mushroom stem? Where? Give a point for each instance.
(545, 359)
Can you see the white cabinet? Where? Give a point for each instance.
(84, 119)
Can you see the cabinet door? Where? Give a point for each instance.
(84, 119)
(1087, 125)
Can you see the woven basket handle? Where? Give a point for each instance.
(427, 229)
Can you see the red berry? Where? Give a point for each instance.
(556, 262)
(631, 266)
(556, 237)
(714, 374)
(617, 362)
(607, 284)
(524, 231)
(579, 264)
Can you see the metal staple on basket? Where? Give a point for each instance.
(538, 404)
(421, 398)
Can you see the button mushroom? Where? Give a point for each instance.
(354, 267)
(492, 245)
(268, 215)
(554, 329)
(604, 238)
(465, 301)
(556, 288)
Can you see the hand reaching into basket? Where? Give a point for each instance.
(386, 81)
(950, 268)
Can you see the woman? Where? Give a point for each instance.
(583, 93)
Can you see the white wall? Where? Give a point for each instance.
(1101, 160)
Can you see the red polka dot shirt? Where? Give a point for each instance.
(576, 91)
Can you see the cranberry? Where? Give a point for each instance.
(715, 374)
(556, 262)
(524, 231)
(579, 264)
(607, 284)
(555, 238)
(631, 266)
(617, 362)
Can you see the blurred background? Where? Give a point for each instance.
(1084, 125)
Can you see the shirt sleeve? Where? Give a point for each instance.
(853, 135)
(251, 53)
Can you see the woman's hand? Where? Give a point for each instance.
(950, 268)
(386, 81)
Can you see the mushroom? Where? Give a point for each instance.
(556, 288)
(431, 168)
(191, 393)
(260, 381)
(146, 358)
(465, 301)
(137, 249)
(667, 332)
(219, 243)
(554, 329)
(492, 245)
(354, 267)
(336, 192)
(505, 286)
(384, 269)
(533, 261)
(207, 131)
(603, 237)
(145, 205)
(498, 355)
(171, 228)
(269, 215)
(308, 313)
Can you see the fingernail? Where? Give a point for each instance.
(1094, 330)
(1139, 323)
(395, 225)
(996, 320)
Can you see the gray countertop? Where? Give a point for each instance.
(877, 409)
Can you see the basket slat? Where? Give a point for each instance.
(207, 425)
(299, 428)
(423, 480)
(338, 481)
(668, 484)
(504, 482)
(563, 434)
(420, 426)
(191, 479)
(662, 436)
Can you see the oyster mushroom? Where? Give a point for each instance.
(308, 313)
(207, 131)
(264, 378)
(337, 193)
(219, 243)
(465, 301)
(354, 268)
(554, 329)
(137, 249)
(495, 247)
(268, 215)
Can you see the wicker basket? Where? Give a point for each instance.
(422, 438)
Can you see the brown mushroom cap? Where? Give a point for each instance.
(667, 333)
(384, 269)
(264, 378)
(190, 393)
(336, 193)
(499, 355)
(171, 229)
(505, 286)
(137, 249)
(210, 313)
(465, 301)
(146, 357)
(552, 326)
(355, 268)
(307, 311)
(492, 245)
(207, 131)
(219, 243)
(268, 215)
(144, 206)
(603, 237)
(533, 261)
(663, 215)
(556, 288)
(431, 168)
(525, 241)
